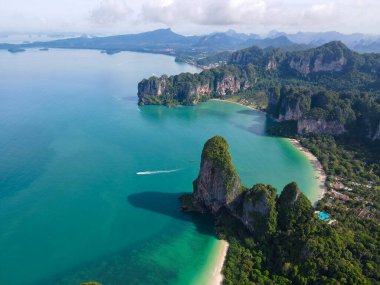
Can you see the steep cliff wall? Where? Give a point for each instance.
(153, 86)
(376, 136)
(259, 209)
(189, 89)
(218, 184)
(320, 126)
(296, 104)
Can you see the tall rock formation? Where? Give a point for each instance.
(259, 209)
(218, 184)
(294, 209)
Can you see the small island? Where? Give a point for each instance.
(16, 50)
(273, 239)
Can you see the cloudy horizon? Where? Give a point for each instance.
(190, 16)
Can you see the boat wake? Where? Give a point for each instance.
(158, 171)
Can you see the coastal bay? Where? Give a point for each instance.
(74, 141)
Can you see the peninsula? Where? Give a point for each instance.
(273, 239)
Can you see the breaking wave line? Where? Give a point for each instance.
(157, 171)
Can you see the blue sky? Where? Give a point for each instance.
(189, 16)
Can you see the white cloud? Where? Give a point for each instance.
(217, 12)
(278, 13)
(110, 12)
(190, 16)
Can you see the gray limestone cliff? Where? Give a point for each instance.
(259, 209)
(376, 136)
(190, 89)
(217, 184)
(153, 86)
(294, 104)
(319, 126)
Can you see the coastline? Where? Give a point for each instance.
(237, 103)
(217, 276)
(316, 165)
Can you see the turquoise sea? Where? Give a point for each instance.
(89, 181)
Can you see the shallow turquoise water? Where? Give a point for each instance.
(72, 139)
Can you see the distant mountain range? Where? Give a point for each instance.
(358, 42)
(188, 48)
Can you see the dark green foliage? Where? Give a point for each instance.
(294, 210)
(263, 214)
(353, 162)
(283, 242)
(302, 250)
(283, 129)
(216, 149)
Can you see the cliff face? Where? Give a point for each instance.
(331, 57)
(320, 126)
(259, 209)
(376, 136)
(300, 65)
(289, 109)
(296, 105)
(151, 87)
(308, 65)
(218, 184)
(294, 209)
(189, 89)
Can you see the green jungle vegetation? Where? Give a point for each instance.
(292, 246)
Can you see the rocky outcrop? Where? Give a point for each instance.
(296, 105)
(294, 209)
(376, 136)
(306, 65)
(189, 89)
(289, 109)
(259, 209)
(154, 86)
(333, 65)
(300, 65)
(272, 65)
(372, 129)
(319, 126)
(218, 184)
(230, 85)
(331, 57)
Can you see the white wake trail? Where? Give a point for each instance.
(157, 171)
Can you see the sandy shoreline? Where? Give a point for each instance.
(237, 103)
(217, 276)
(321, 175)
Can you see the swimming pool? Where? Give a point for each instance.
(324, 216)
